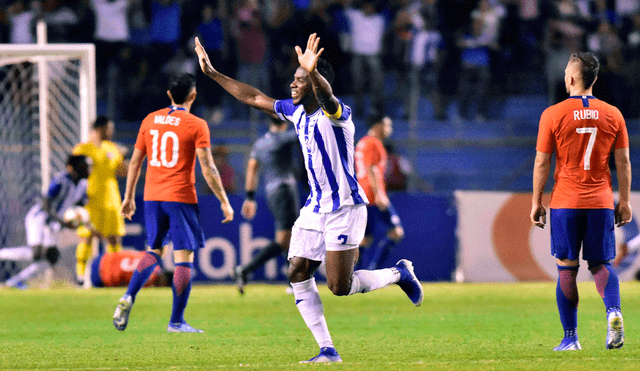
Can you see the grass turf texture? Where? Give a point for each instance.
(458, 327)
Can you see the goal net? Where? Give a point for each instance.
(47, 102)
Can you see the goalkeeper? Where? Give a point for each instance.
(104, 196)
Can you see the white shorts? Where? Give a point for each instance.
(38, 232)
(315, 233)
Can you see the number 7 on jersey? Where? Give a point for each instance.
(592, 140)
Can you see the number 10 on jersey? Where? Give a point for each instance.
(163, 149)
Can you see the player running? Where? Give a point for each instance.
(171, 138)
(274, 153)
(332, 221)
(371, 161)
(583, 131)
(46, 217)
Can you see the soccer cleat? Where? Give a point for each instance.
(182, 327)
(615, 330)
(409, 282)
(121, 315)
(326, 355)
(241, 279)
(570, 343)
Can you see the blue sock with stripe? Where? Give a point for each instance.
(567, 299)
(608, 285)
(147, 264)
(181, 289)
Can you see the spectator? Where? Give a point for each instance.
(605, 41)
(61, 21)
(20, 19)
(227, 173)
(367, 28)
(251, 43)
(164, 32)
(212, 33)
(475, 73)
(111, 36)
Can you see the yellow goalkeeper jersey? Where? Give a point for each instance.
(102, 188)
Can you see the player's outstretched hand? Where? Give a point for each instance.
(228, 212)
(249, 208)
(203, 58)
(128, 208)
(623, 213)
(538, 216)
(309, 58)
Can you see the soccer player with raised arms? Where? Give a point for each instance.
(583, 131)
(333, 219)
(171, 138)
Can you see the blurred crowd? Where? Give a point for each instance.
(387, 54)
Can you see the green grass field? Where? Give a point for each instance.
(458, 327)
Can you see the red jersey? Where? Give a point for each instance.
(583, 131)
(116, 269)
(370, 152)
(169, 138)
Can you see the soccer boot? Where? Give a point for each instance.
(326, 355)
(240, 278)
(182, 327)
(121, 315)
(615, 330)
(409, 282)
(570, 343)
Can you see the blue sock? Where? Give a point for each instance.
(608, 285)
(380, 252)
(142, 273)
(567, 299)
(181, 289)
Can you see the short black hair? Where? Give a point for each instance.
(373, 119)
(76, 161)
(325, 69)
(101, 122)
(589, 67)
(181, 86)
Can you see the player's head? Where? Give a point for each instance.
(182, 89)
(301, 89)
(80, 166)
(582, 71)
(104, 127)
(380, 124)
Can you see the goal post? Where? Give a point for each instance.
(47, 104)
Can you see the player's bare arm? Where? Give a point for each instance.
(212, 177)
(540, 175)
(249, 206)
(133, 174)
(623, 212)
(245, 93)
(382, 201)
(321, 87)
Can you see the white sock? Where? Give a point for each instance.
(25, 274)
(364, 281)
(312, 311)
(16, 253)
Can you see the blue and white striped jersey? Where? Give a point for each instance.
(64, 193)
(328, 150)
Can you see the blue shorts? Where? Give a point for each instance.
(180, 220)
(591, 229)
(381, 219)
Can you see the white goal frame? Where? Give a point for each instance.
(40, 54)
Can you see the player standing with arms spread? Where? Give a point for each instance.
(274, 153)
(332, 221)
(104, 196)
(371, 161)
(583, 131)
(171, 138)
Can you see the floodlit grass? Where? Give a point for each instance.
(458, 327)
